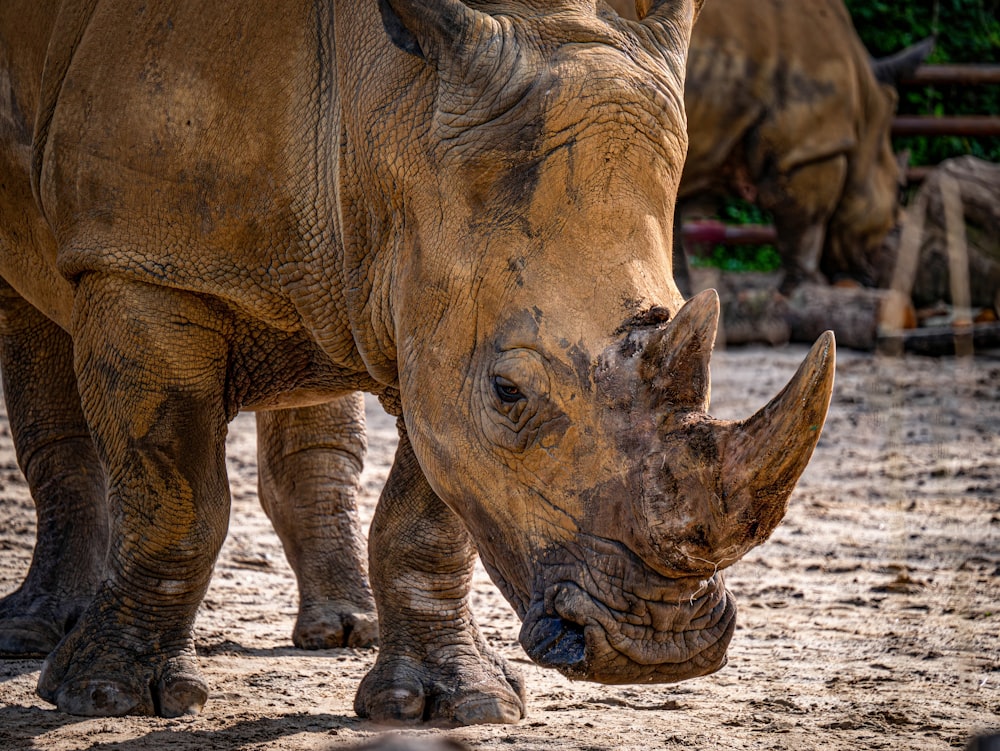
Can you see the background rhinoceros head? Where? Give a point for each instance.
(869, 206)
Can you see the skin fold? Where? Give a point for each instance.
(464, 209)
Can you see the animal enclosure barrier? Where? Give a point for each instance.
(892, 327)
(957, 125)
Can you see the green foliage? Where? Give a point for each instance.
(738, 211)
(968, 31)
(740, 257)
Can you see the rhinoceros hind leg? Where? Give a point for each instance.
(801, 225)
(310, 462)
(27, 636)
(57, 456)
(335, 624)
(433, 664)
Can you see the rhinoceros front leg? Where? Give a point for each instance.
(310, 462)
(433, 663)
(57, 456)
(802, 203)
(150, 364)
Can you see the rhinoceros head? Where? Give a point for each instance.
(554, 385)
(869, 205)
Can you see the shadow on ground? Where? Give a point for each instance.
(21, 727)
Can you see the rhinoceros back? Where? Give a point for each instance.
(186, 146)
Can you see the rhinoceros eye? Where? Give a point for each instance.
(506, 391)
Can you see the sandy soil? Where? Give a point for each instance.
(869, 621)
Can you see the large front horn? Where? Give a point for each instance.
(765, 455)
(714, 489)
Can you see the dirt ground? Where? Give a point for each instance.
(870, 620)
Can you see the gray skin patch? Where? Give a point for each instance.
(554, 642)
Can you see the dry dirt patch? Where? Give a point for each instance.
(870, 620)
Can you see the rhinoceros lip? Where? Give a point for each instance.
(555, 642)
(569, 630)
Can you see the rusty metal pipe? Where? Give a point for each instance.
(711, 232)
(964, 75)
(958, 125)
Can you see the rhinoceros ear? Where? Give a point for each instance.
(678, 8)
(397, 31)
(434, 29)
(669, 23)
(897, 66)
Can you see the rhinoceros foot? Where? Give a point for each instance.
(334, 625)
(173, 697)
(31, 625)
(103, 668)
(459, 686)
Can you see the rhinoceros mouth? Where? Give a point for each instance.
(681, 631)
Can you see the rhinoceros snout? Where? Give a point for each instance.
(655, 641)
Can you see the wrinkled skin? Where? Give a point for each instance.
(396, 197)
(784, 109)
(54, 450)
(309, 464)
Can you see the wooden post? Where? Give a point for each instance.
(854, 314)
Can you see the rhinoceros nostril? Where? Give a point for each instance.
(554, 642)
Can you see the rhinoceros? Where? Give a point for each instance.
(465, 209)
(786, 108)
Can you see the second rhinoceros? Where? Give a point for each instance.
(463, 208)
(786, 108)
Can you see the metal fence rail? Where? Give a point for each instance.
(952, 125)
(965, 75)
(710, 231)
(956, 125)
